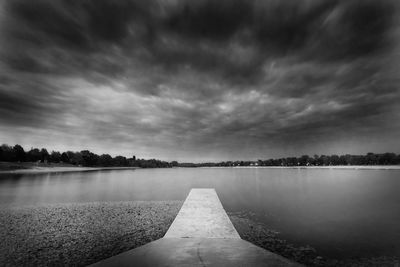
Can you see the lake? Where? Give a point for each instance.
(343, 213)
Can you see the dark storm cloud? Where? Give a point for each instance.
(77, 24)
(198, 33)
(26, 100)
(199, 73)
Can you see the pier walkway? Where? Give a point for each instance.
(201, 235)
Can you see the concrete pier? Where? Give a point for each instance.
(202, 216)
(201, 235)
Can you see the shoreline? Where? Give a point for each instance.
(79, 234)
(344, 167)
(35, 170)
(62, 169)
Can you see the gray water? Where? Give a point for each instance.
(341, 213)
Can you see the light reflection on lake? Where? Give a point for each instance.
(342, 213)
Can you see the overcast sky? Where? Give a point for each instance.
(201, 80)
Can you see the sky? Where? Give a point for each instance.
(201, 80)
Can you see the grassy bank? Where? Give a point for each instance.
(32, 168)
(80, 234)
(13, 166)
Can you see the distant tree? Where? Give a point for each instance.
(372, 159)
(292, 161)
(105, 160)
(64, 157)
(34, 155)
(348, 159)
(398, 159)
(342, 160)
(89, 159)
(7, 153)
(315, 159)
(70, 155)
(321, 160)
(55, 157)
(174, 163)
(334, 160)
(19, 152)
(304, 160)
(75, 158)
(387, 159)
(44, 155)
(120, 161)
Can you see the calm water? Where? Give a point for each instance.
(341, 213)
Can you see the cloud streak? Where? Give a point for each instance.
(201, 80)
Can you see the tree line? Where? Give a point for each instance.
(305, 160)
(88, 159)
(83, 158)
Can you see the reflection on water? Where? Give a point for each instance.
(342, 213)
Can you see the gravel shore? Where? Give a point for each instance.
(80, 234)
(83, 233)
